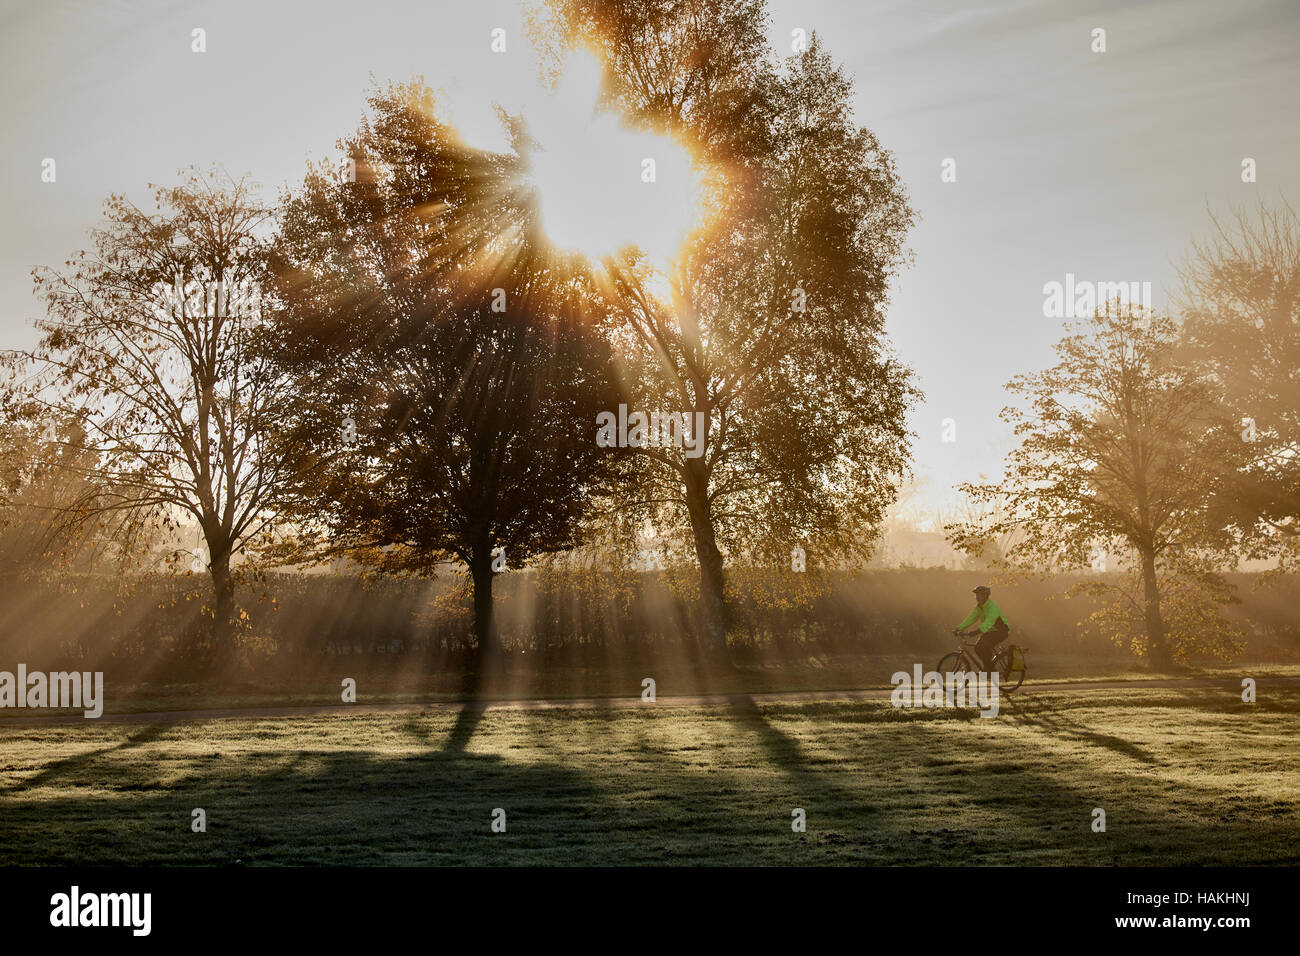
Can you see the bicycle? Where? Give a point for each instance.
(965, 659)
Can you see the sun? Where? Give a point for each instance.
(603, 187)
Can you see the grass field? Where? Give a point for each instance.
(1185, 777)
(675, 677)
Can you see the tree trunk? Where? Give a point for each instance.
(712, 583)
(1157, 646)
(488, 662)
(223, 621)
(488, 654)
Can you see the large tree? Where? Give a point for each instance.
(148, 355)
(772, 331)
(1240, 305)
(1119, 454)
(446, 359)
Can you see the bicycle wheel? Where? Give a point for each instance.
(1008, 680)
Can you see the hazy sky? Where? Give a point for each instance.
(1100, 164)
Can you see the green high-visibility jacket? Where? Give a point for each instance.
(987, 616)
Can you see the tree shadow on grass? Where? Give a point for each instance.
(879, 785)
(935, 797)
(481, 682)
(467, 723)
(843, 818)
(783, 751)
(313, 808)
(1043, 716)
(70, 766)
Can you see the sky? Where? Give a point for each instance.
(1101, 164)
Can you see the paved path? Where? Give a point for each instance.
(701, 700)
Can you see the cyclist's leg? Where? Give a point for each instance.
(988, 643)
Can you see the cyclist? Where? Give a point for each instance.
(993, 627)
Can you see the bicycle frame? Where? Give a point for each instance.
(968, 660)
(968, 656)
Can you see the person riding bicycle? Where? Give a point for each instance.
(993, 626)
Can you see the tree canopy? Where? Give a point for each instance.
(1240, 303)
(148, 358)
(448, 366)
(771, 328)
(1119, 454)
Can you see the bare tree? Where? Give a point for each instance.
(148, 347)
